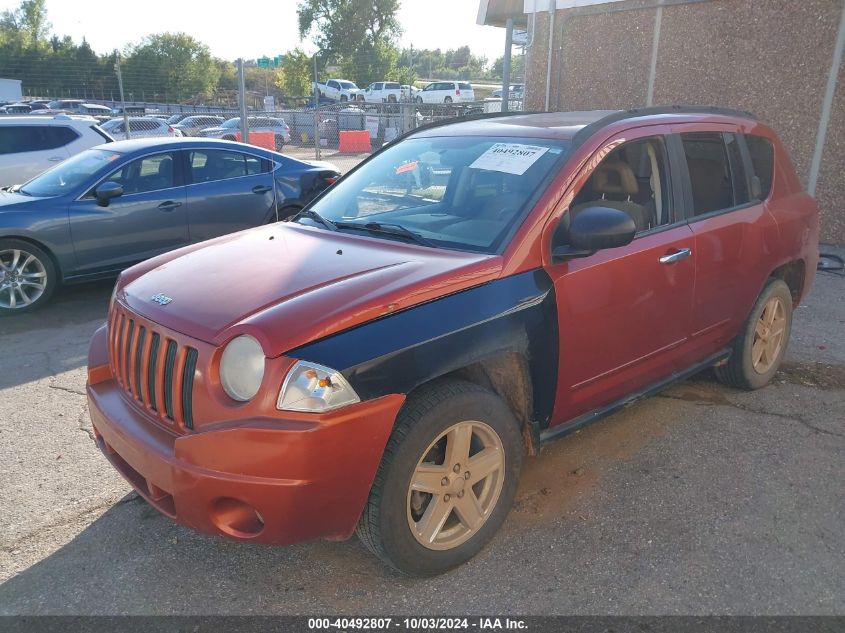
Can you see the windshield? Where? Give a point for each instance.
(231, 122)
(455, 192)
(67, 176)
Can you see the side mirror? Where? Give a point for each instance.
(593, 229)
(108, 190)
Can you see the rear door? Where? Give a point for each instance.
(148, 219)
(227, 191)
(28, 150)
(732, 232)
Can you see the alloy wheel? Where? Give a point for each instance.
(455, 485)
(768, 335)
(23, 279)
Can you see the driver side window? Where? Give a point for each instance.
(632, 178)
(149, 173)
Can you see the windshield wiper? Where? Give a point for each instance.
(386, 229)
(313, 215)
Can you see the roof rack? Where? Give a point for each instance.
(479, 116)
(633, 113)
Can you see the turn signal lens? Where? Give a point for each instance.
(315, 388)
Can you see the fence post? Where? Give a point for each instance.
(316, 113)
(242, 95)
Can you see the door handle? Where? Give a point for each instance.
(55, 159)
(169, 205)
(261, 189)
(677, 256)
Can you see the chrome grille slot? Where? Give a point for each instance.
(139, 357)
(169, 362)
(151, 370)
(188, 387)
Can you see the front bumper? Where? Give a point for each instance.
(269, 480)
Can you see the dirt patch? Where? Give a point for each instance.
(817, 375)
(564, 478)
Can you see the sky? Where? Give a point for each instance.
(264, 28)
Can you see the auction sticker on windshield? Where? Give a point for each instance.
(511, 158)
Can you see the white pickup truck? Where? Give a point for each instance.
(338, 90)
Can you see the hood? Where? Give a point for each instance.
(287, 284)
(10, 201)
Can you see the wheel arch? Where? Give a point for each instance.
(792, 273)
(44, 247)
(508, 375)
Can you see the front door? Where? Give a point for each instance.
(624, 313)
(148, 219)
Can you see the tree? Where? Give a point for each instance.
(359, 35)
(293, 78)
(28, 23)
(171, 62)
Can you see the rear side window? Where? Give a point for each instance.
(763, 162)
(15, 139)
(211, 165)
(465, 86)
(709, 172)
(390, 86)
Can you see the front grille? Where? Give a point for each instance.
(153, 368)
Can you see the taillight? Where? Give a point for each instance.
(330, 180)
(170, 129)
(458, 92)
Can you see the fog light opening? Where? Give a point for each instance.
(236, 518)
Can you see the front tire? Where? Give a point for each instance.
(419, 100)
(28, 277)
(446, 481)
(760, 347)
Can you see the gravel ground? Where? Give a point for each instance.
(703, 500)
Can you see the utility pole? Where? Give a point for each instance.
(122, 99)
(316, 113)
(242, 91)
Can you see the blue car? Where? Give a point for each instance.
(117, 204)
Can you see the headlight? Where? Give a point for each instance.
(242, 368)
(314, 388)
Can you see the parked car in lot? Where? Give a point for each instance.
(467, 294)
(337, 90)
(30, 145)
(99, 112)
(381, 92)
(16, 108)
(446, 92)
(117, 204)
(193, 125)
(230, 128)
(175, 118)
(68, 105)
(38, 104)
(515, 92)
(139, 127)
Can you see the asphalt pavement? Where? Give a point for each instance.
(703, 500)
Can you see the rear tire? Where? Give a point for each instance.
(28, 277)
(279, 143)
(758, 350)
(421, 533)
(447, 100)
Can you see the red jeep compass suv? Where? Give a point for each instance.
(383, 362)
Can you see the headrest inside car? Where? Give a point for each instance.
(614, 177)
